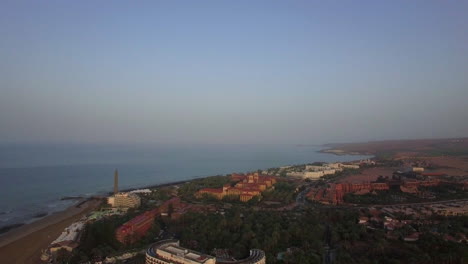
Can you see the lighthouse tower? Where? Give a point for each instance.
(116, 182)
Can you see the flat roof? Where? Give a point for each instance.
(172, 248)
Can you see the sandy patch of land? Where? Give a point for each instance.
(452, 166)
(420, 146)
(405, 155)
(454, 162)
(25, 244)
(369, 175)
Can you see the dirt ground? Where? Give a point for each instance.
(369, 175)
(411, 147)
(453, 166)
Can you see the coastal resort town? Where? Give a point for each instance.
(405, 203)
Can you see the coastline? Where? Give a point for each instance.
(19, 230)
(25, 243)
(340, 152)
(159, 185)
(80, 199)
(39, 234)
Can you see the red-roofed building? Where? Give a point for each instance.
(218, 193)
(335, 192)
(247, 186)
(237, 177)
(137, 227)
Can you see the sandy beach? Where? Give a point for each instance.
(25, 244)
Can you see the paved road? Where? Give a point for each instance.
(300, 198)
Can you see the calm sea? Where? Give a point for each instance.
(33, 178)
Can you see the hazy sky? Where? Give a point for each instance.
(232, 71)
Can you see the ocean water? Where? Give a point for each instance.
(34, 178)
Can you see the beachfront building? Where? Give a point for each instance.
(67, 240)
(315, 172)
(169, 251)
(350, 166)
(317, 167)
(142, 191)
(124, 200)
(247, 187)
(306, 174)
(331, 166)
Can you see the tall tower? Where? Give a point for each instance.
(116, 181)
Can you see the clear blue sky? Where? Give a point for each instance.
(232, 71)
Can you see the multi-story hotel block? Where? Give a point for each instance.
(124, 200)
(138, 227)
(247, 187)
(318, 171)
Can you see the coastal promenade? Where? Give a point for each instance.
(25, 244)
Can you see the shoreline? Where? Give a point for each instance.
(25, 244)
(25, 228)
(82, 199)
(159, 185)
(15, 228)
(340, 152)
(39, 234)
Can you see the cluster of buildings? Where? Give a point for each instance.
(246, 187)
(452, 209)
(393, 218)
(390, 225)
(138, 226)
(334, 192)
(69, 238)
(455, 208)
(317, 171)
(170, 252)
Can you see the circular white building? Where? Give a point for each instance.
(170, 252)
(257, 256)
